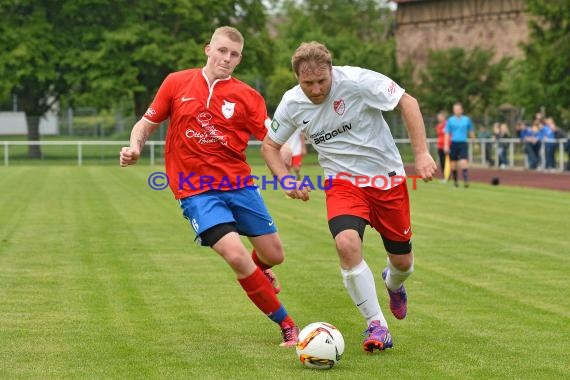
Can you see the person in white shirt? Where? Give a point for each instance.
(298, 149)
(339, 109)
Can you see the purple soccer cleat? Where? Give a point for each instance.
(377, 337)
(398, 299)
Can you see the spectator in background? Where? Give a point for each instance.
(548, 136)
(520, 129)
(440, 129)
(539, 118)
(502, 146)
(530, 137)
(562, 134)
(485, 134)
(566, 147)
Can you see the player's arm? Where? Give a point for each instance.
(471, 130)
(425, 165)
(286, 156)
(139, 135)
(271, 152)
(303, 144)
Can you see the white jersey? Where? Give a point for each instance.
(295, 143)
(347, 130)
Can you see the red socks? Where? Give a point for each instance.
(258, 262)
(261, 293)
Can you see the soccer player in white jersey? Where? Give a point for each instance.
(340, 110)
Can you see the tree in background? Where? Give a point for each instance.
(135, 52)
(101, 52)
(35, 58)
(542, 77)
(454, 75)
(358, 33)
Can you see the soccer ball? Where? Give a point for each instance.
(320, 345)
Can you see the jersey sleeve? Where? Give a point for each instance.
(379, 91)
(159, 109)
(258, 119)
(282, 127)
(469, 124)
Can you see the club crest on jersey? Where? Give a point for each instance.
(339, 107)
(392, 88)
(228, 109)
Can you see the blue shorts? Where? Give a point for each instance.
(458, 151)
(244, 207)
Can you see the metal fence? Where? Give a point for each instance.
(506, 153)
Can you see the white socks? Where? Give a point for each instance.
(396, 277)
(359, 282)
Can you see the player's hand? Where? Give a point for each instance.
(425, 166)
(128, 156)
(446, 150)
(293, 190)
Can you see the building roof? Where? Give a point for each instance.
(405, 1)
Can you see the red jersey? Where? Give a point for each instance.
(208, 131)
(440, 128)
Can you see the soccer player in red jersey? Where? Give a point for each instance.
(212, 116)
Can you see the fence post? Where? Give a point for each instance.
(79, 154)
(511, 154)
(5, 153)
(152, 153)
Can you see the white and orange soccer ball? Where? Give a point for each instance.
(320, 345)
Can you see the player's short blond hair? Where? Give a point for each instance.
(313, 53)
(230, 32)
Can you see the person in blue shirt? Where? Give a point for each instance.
(458, 130)
(532, 142)
(548, 136)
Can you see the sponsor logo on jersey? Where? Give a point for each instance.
(339, 106)
(392, 88)
(210, 135)
(228, 109)
(317, 134)
(185, 99)
(326, 136)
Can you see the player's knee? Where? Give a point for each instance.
(237, 260)
(270, 250)
(276, 258)
(348, 243)
(403, 263)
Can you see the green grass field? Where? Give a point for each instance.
(100, 278)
